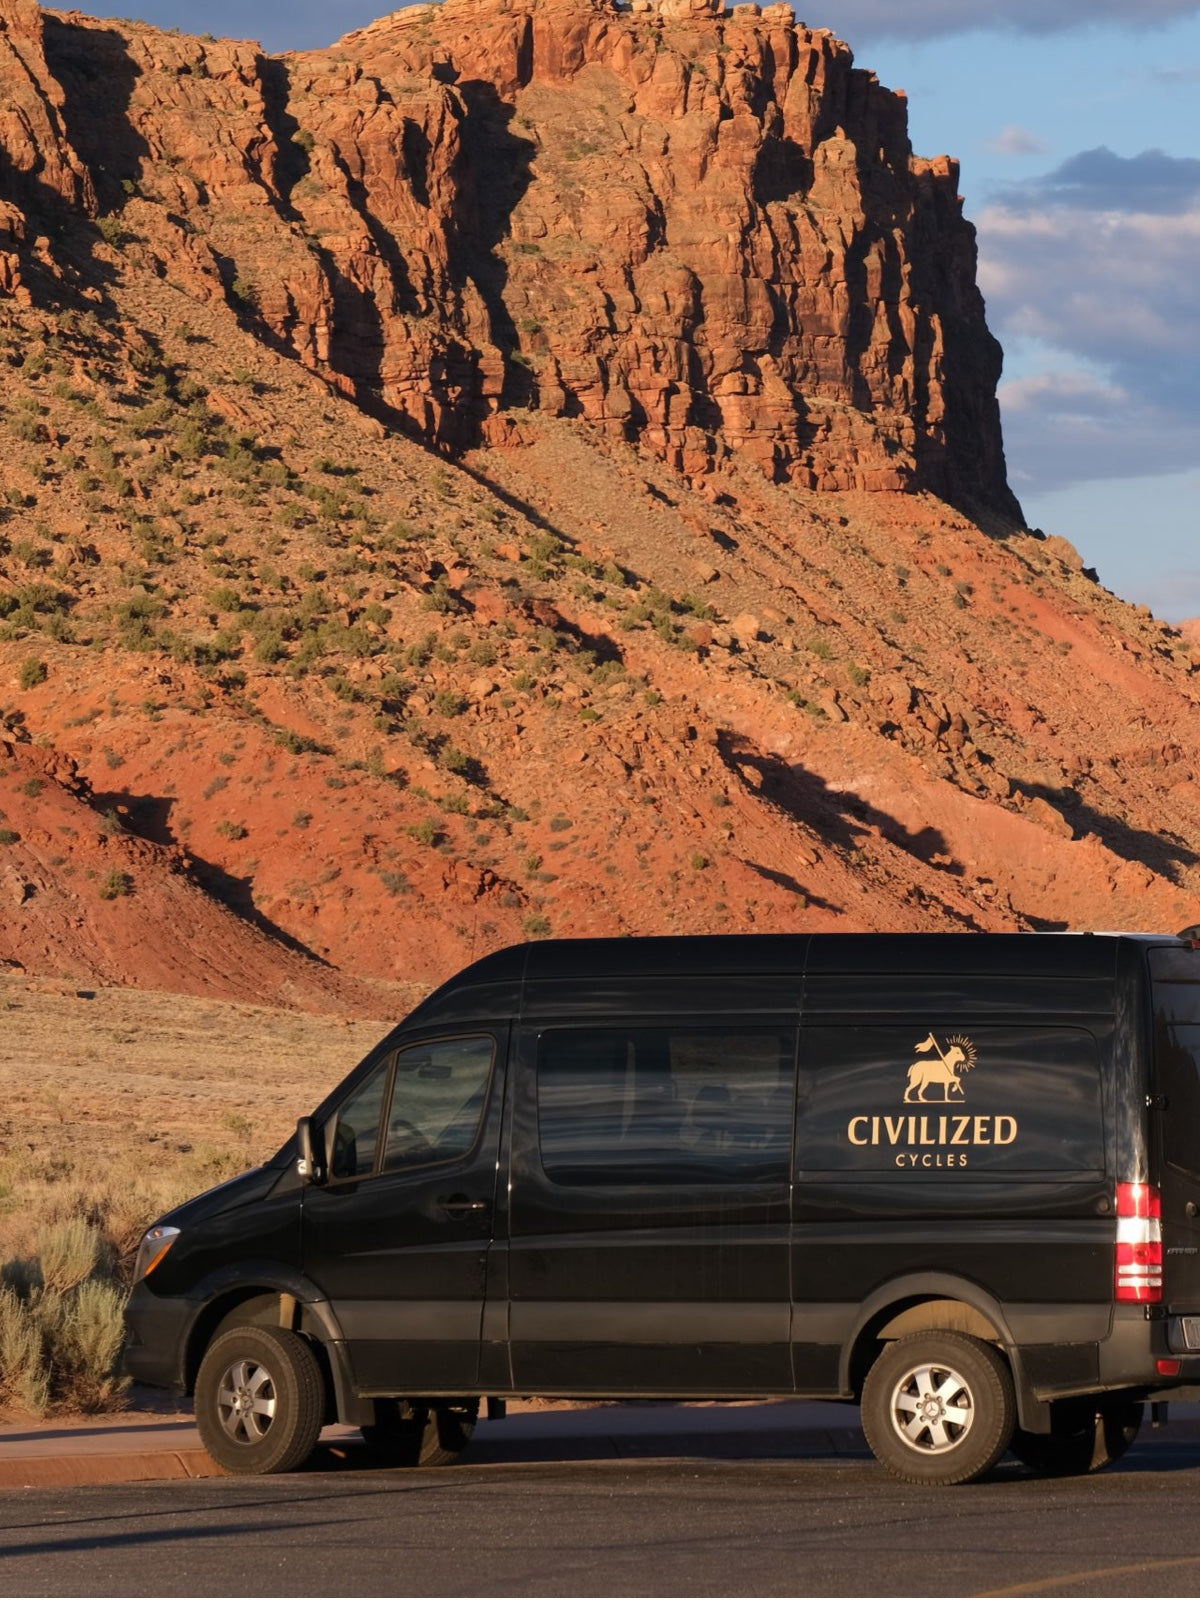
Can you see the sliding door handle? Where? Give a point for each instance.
(458, 1205)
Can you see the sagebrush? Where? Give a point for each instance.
(67, 1247)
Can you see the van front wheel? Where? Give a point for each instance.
(939, 1408)
(260, 1400)
(421, 1435)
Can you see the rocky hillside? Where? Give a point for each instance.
(531, 468)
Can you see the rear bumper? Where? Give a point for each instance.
(1137, 1342)
(1183, 1336)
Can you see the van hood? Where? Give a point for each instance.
(245, 1189)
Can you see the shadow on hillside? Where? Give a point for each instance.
(237, 894)
(148, 816)
(793, 886)
(834, 814)
(492, 172)
(93, 67)
(1160, 852)
(97, 76)
(1042, 924)
(605, 649)
(292, 161)
(783, 169)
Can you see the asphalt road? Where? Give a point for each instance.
(619, 1527)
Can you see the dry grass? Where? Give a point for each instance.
(117, 1106)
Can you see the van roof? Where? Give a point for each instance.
(1081, 955)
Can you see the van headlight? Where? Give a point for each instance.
(151, 1251)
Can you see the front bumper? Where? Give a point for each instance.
(156, 1333)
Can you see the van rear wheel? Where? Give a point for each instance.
(421, 1435)
(260, 1400)
(1100, 1441)
(939, 1407)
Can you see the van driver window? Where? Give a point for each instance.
(356, 1133)
(437, 1101)
(665, 1105)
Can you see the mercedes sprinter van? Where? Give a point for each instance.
(951, 1178)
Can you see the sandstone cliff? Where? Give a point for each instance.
(452, 494)
(704, 232)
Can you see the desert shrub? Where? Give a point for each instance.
(61, 1323)
(24, 1381)
(536, 927)
(116, 885)
(113, 231)
(84, 1330)
(454, 760)
(32, 673)
(68, 1252)
(441, 597)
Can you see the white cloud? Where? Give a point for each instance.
(860, 19)
(1076, 395)
(1016, 141)
(1099, 275)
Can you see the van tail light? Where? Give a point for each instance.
(1139, 1244)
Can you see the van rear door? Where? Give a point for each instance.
(1175, 988)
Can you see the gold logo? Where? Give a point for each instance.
(929, 1141)
(943, 1073)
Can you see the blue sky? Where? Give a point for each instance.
(1089, 259)
(1077, 123)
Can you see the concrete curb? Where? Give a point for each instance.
(54, 1464)
(65, 1472)
(56, 1461)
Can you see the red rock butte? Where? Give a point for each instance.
(704, 231)
(531, 468)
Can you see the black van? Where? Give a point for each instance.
(954, 1178)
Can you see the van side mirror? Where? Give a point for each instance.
(310, 1163)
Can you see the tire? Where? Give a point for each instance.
(260, 1400)
(939, 1408)
(1090, 1448)
(428, 1436)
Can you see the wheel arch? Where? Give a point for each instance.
(922, 1302)
(266, 1294)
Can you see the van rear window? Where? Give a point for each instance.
(956, 1098)
(663, 1105)
(1176, 990)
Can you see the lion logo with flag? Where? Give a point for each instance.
(941, 1069)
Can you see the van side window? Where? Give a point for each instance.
(356, 1133)
(437, 1101)
(665, 1105)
